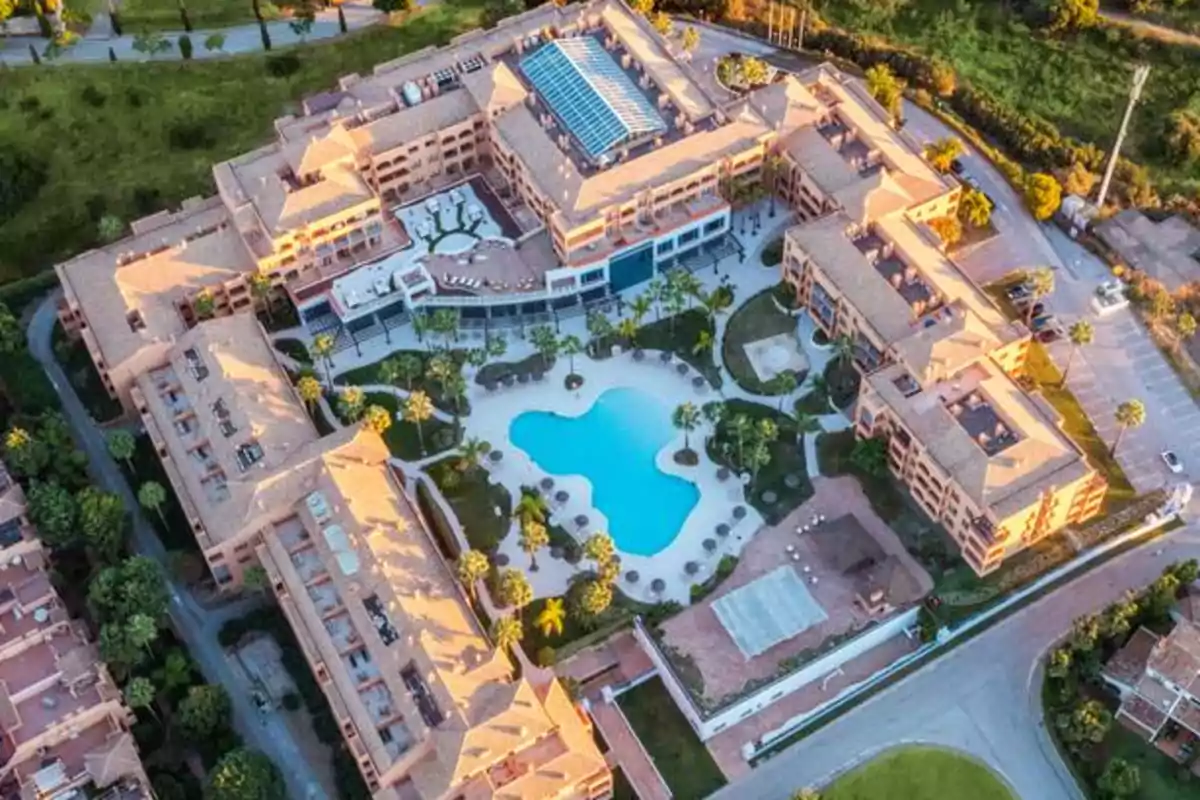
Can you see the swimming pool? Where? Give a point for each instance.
(614, 446)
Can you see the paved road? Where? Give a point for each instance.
(196, 625)
(979, 697)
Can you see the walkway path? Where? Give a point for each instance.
(94, 47)
(195, 624)
(1153, 30)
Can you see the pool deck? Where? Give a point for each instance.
(493, 414)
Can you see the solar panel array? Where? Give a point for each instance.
(591, 94)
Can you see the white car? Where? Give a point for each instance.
(1172, 461)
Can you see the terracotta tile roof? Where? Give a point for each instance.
(1176, 657)
(1128, 664)
(1147, 719)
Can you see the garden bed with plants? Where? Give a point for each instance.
(410, 370)
(759, 440)
(73, 356)
(687, 336)
(474, 500)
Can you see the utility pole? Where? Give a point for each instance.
(803, 20)
(1135, 91)
(770, 17)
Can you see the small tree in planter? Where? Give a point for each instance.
(686, 418)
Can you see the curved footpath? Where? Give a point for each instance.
(239, 39)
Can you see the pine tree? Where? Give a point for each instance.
(266, 37)
(183, 15)
(116, 22)
(112, 55)
(33, 52)
(342, 20)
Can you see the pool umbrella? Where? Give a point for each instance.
(561, 496)
(722, 474)
(665, 356)
(547, 484)
(581, 521)
(638, 355)
(698, 382)
(556, 552)
(739, 512)
(632, 576)
(495, 456)
(657, 585)
(681, 369)
(691, 568)
(722, 530)
(501, 560)
(710, 545)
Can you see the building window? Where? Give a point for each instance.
(665, 247)
(714, 226)
(689, 236)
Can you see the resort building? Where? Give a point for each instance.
(427, 706)
(979, 455)
(1158, 679)
(65, 727)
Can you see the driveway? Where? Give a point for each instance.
(981, 697)
(196, 625)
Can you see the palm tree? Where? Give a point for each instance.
(204, 304)
(408, 368)
(456, 390)
(843, 349)
(1080, 334)
(550, 620)
(515, 590)
(139, 693)
(439, 368)
(686, 418)
(704, 343)
(533, 538)
(760, 456)
(445, 322)
(741, 427)
(1041, 283)
(417, 409)
(941, 152)
(421, 326)
(322, 348)
(151, 496)
(598, 326)
(974, 208)
(1130, 414)
(570, 346)
(389, 371)
(507, 633)
(640, 307)
(351, 402)
(1185, 328)
(260, 290)
(627, 329)
(595, 598)
(472, 567)
(690, 39)
(471, 452)
(784, 384)
(546, 342)
(377, 419)
(121, 446)
(599, 547)
(772, 169)
(531, 506)
(309, 389)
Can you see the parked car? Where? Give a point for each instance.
(972, 182)
(1172, 461)
(1037, 310)
(1020, 293)
(1047, 321)
(1049, 335)
(956, 166)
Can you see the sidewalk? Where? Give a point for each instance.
(93, 47)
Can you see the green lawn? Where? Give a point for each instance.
(1079, 82)
(369, 374)
(402, 437)
(919, 773)
(155, 15)
(757, 319)
(474, 501)
(680, 756)
(679, 335)
(1159, 774)
(131, 139)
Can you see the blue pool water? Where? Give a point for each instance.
(614, 446)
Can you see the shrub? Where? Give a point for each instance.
(291, 701)
(93, 96)
(194, 135)
(21, 178)
(772, 254)
(185, 47)
(546, 656)
(1183, 134)
(282, 66)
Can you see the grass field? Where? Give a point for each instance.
(130, 139)
(1079, 82)
(679, 755)
(758, 319)
(919, 773)
(155, 15)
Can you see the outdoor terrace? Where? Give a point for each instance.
(979, 418)
(905, 278)
(857, 154)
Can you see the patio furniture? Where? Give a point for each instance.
(795, 556)
(791, 548)
(807, 569)
(501, 560)
(723, 474)
(665, 356)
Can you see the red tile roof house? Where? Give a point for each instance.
(1158, 678)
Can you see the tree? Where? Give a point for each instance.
(948, 229)
(940, 153)
(117, 649)
(408, 368)
(472, 566)
(734, 10)
(755, 71)
(1087, 723)
(551, 619)
(1059, 664)
(139, 693)
(255, 578)
(783, 385)
(1078, 180)
(151, 44)
(1041, 284)
(507, 632)
(244, 774)
(322, 349)
(870, 456)
(1080, 334)
(627, 329)
(141, 630)
(342, 21)
(1042, 194)
(309, 389)
(531, 506)
(662, 23)
(151, 496)
(110, 227)
(214, 42)
(1130, 414)
(471, 452)
(570, 346)
(1066, 15)
(1119, 779)
(595, 598)
(514, 589)
(185, 47)
(704, 343)
(54, 512)
(376, 419)
(445, 322)
(351, 402)
(260, 290)
(686, 418)
(175, 672)
(974, 208)
(843, 349)
(598, 327)
(205, 711)
(533, 537)
(121, 445)
(690, 39)
(1185, 328)
(12, 338)
(740, 427)
(392, 6)
(643, 7)
(1183, 135)
(417, 409)
(943, 79)
(546, 342)
(133, 586)
(599, 547)
(102, 521)
(301, 25)
(25, 454)
(886, 88)
(264, 35)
